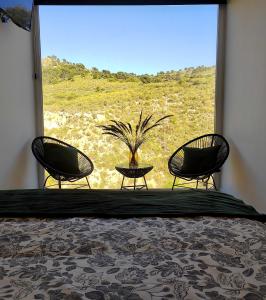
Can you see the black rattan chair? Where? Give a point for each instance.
(199, 159)
(62, 161)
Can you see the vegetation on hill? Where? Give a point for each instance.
(77, 99)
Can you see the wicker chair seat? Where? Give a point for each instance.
(209, 141)
(62, 161)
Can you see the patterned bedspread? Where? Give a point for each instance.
(146, 258)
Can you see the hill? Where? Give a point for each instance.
(76, 99)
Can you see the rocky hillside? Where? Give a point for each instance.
(77, 99)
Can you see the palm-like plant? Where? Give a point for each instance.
(132, 137)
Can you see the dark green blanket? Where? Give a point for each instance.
(115, 203)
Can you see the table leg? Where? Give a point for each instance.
(122, 184)
(145, 183)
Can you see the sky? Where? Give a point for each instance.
(138, 39)
(24, 3)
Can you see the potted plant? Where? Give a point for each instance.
(132, 136)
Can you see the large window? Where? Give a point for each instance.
(104, 63)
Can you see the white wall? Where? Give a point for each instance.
(244, 175)
(17, 109)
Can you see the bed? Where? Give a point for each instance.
(130, 245)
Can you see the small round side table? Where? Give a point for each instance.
(134, 172)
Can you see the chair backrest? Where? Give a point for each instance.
(58, 157)
(176, 160)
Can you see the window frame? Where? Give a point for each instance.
(219, 81)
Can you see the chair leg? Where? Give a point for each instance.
(46, 181)
(88, 182)
(145, 182)
(197, 184)
(59, 183)
(214, 184)
(207, 183)
(173, 183)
